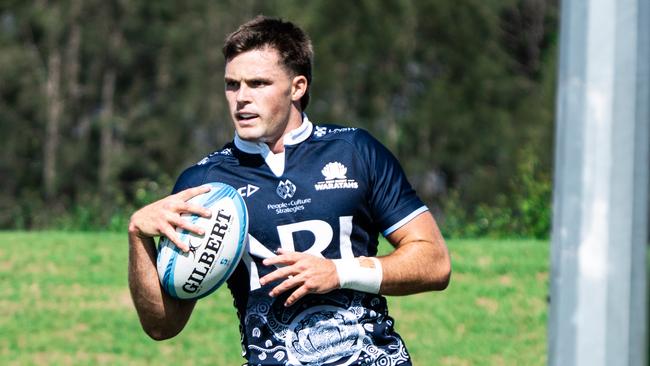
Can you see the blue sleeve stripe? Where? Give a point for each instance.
(403, 221)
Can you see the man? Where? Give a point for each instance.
(309, 288)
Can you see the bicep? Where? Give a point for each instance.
(420, 261)
(421, 229)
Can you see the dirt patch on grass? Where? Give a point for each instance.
(505, 280)
(484, 261)
(6, 266)
(490, 305)
(78, 358)
(454, 361)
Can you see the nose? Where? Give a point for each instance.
(243, 93)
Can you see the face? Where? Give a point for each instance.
(262, 96)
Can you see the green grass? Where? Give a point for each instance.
(64, 301)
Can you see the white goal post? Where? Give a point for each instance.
(598, 293)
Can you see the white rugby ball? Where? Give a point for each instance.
(212, 257)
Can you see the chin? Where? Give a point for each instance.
(248, 135)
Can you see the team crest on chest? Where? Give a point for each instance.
(335, 178)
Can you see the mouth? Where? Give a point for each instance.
(245, 116)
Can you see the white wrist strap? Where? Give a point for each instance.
(354, 276)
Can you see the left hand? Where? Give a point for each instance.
(304, 272)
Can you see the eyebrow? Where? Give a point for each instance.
(248, 80)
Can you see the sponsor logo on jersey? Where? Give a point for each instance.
(292, 206)
(335, 178)
(248, 190)
(322, 131)
(227, 152)
(286, 189)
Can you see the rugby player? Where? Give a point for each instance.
(310, 287)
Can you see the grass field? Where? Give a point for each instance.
(64, 301)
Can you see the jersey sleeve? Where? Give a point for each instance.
(192, 177)
(392, 201)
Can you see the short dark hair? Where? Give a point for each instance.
(291, 42)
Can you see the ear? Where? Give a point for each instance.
(299, 87)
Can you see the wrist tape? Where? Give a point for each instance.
(354, 276)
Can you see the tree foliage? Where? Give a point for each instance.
(103, 103)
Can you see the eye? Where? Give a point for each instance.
(258, 83)
(232, 85)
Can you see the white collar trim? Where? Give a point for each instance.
(276, 161)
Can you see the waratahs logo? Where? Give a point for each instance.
(334, 170)
(335, 178)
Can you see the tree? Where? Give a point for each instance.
(100, 100)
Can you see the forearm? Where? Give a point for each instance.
(161, 316)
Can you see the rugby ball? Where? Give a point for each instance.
(212, 257)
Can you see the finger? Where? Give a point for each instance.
(283, 251)
(185, 207)
(296, 295)
(188, 226)
(278, 274)
(192, 192)
(287, 258)
(288, 284)
(171, 234)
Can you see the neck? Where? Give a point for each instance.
(295, 120)
(277, 146)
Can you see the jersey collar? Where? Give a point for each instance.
(276, 161)
(294, 137)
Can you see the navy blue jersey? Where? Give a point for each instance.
(330, 194)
